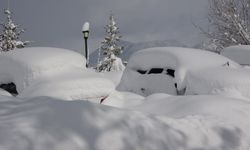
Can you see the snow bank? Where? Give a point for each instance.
(73, 84)
(23, 66)
(222, 80)
(44, 123)
(179, 60)
(123, 100)
(114, 76)
(228, 110)
(240, 54)
(232, 110)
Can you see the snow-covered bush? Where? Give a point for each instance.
(112, 63)
(164, 69)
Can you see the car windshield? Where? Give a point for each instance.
(171, 72)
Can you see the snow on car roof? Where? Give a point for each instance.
(176, 57)
(239, 53)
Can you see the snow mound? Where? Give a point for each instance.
(222, 80)
(175, 63)
(114, 76)
(73, 84)
(23, 66)
(123, 100)
(44, 123)
(240, 54)
(231, 111)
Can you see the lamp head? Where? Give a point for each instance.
(85, 34)
(85, 29)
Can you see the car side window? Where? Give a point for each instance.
(142, 71)
(156, 71)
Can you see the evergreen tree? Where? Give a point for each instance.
(10, 35)
(110, 48)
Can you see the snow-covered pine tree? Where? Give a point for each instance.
(10, 34)
(110, 49)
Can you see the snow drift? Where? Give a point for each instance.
(73, 84)
(234, 82)
(45, 123)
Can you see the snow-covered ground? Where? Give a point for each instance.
(41, 117)
(199, 122)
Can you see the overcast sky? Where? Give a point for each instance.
(58, 23)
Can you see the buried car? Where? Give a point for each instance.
(52, 72)
(164, 69)
(238, 53)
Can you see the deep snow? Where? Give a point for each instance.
(45, 123)
(42, 117)
(232, 82)
(72, 84)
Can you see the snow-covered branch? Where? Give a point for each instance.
(228, 23)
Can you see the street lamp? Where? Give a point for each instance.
(85, 32)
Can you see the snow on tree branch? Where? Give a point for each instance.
(110, 49)
(229, 22)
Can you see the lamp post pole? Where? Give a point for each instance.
(85, 32)
(86, 52)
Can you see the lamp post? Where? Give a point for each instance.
(85, 32)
